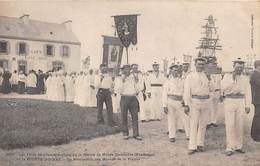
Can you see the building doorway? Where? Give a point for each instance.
(57, 65)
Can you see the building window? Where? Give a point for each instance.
(3, 64)
(49, 50)
(4, 47)
(65, 51)
(22, 48)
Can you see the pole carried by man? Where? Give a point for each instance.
(105, 86)
(196, 103)
(236, 90)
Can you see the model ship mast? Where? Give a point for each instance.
(209, 44)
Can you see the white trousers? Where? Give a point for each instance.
(234, 117)
(142, 113)
(175, 114)
(214, 106)
(198, 121)
(156, 103)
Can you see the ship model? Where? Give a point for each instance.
(208, 45)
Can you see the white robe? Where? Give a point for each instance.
(49, 87)
(60, 88)
(69, 88)
(78, 83)
(31, 80)
(93, 92)
(156, 95)
(85, 91)
(14, 79)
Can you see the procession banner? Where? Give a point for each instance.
(126, 26)
(112, 52)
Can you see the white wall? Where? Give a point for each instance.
(36, 58)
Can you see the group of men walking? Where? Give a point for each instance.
(188, 98)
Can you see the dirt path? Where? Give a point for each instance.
(155, 150)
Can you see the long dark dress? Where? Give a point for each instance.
(40, 83)
(255, 89)
(6, 85)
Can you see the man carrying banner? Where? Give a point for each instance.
(104, 86)
(129, 102)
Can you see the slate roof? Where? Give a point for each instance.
(15, 28)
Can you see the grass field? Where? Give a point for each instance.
(27, 123)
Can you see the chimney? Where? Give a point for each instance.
(25, 18)
(68, 25)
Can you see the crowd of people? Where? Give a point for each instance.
(31, 83)
(189, 99)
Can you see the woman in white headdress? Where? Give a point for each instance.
(69, 87)
(78, 89)
(60, 85)
(85, 93)
(49, 85)
(92, 90)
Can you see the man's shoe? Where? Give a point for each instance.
(191, 152)
(139, 138)
(209, 126)
(187, 139)
(181, 130)
(229, 153)
(172, 139)
(125, 137)
(200, 148)
(240, 151)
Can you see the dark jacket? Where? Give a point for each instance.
(255, 87)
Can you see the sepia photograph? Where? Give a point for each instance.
(131, 82)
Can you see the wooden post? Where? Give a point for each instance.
(127, 55)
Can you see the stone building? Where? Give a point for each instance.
(27, 44)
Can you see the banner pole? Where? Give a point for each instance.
(127, 55)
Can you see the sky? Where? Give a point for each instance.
(166, 29)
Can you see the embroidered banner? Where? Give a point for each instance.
(126, 26)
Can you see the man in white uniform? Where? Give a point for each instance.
(184, 120)
(154, 90)
(197, 100)
(173, 101)
(236, 90)
(215, 85)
